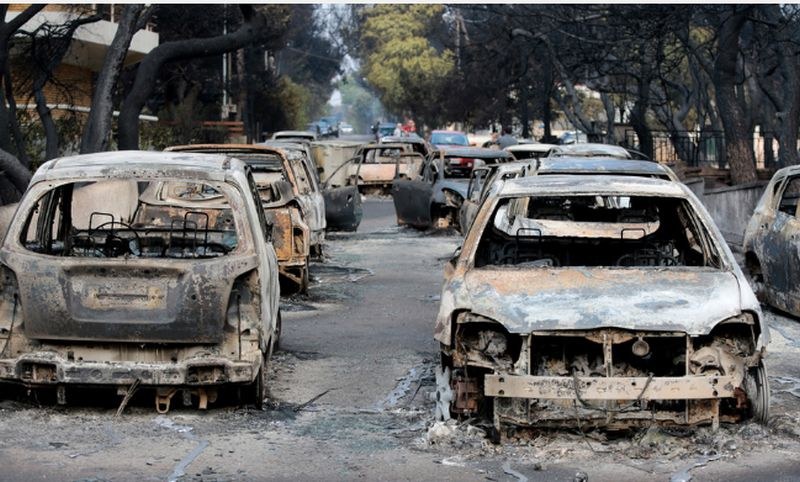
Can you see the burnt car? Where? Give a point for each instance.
(139, 269)
(295, 136)
(415, 142)
(288, 205)
(591, 149)
(485, 180)
(432, 196)
(532, 150)
(770, 244)
(598, 301)
(375, 166)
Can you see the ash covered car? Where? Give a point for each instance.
(143, 269)
(772, 257)
(432, 196)
(376, 165)
(599, 301)
(591, 149)
(290, 205)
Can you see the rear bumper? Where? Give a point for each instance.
(42, 369)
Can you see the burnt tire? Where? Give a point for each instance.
(257, 390)
(756, 384)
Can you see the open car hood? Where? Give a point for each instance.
(691, 300)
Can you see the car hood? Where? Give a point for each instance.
(525, 300)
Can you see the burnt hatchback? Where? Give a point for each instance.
(599, 301)
(145, 269)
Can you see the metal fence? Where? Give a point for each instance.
(704, 148)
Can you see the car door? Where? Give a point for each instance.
(469, 207)
(343, 210)
(781, 255)
(412, 195)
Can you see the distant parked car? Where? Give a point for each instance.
(771, 246)
(449, 138)
(384, 129)
(345, 128)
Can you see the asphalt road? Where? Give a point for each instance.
(350, 401)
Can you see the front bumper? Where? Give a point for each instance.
(610, 388)
(43, 369)
(611, 402)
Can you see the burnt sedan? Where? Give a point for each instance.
(432, 196)
(139, 269)
(599, 301)
(771, 249)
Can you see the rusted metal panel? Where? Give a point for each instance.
(343, 209)
(609, 388)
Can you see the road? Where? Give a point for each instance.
(350, 401)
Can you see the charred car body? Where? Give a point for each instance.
(432, 196)
(770, 243)
(290, 205)
(599, 301)
(376, 165)
(171, 284)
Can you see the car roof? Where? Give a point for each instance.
(445, 131)
(559, 184)
(481, 152)
(231, 149)
(301, 134)
(147, 163)
(603, 165)
(591, 150)
(533, 146)
(402, 139)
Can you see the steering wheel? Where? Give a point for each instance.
(116, 245)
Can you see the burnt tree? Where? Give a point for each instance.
(255, 28)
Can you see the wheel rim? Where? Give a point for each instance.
(757, 386)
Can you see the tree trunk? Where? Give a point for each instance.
(8, 118)
(254, 28)
(608, 105)
(98, 127)
(50, 130)
(738, 137)
(14, 171)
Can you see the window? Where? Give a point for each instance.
(595, 231)
(791, 194)
(148, 219)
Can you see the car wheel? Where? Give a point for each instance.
(443, 396)
(258, 388)
(276, 336)
(303, 288)
(756, 383)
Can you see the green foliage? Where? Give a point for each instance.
(362, 108)
(399, 60)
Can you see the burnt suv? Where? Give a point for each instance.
(143, 269)
(598, 300)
